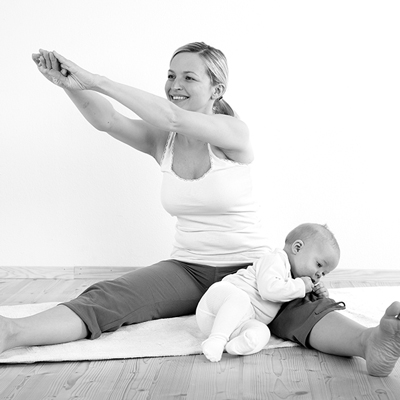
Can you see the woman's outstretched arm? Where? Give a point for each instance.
(229, 134)
(220, 130)
(97, 110)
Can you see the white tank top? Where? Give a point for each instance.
(218, 222)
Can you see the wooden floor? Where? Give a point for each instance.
(290, 373)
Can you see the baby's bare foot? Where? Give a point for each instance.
(383, 343)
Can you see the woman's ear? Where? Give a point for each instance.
(297, 246)
(218, 91)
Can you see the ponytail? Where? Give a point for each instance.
(222, 107)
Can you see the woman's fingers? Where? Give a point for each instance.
(63, 61)
(35, 57)
(60, 57)
(46, 58)
(49, 66)
(61, 71)
(65, 64)
(54, 62)
(48, 61)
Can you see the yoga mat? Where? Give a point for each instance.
(175, 336)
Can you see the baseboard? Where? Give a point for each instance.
(351, 275)
(62, 272)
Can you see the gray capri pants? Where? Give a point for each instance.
(173, 288)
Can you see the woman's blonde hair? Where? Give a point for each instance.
(217, 67)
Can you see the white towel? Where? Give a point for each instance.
(175, 336)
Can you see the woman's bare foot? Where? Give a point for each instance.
(383, 343)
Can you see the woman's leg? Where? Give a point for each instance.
(163, 290)
(56, 325)
(380, 346)
(314, 323)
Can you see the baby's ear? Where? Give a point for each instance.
(297, 246)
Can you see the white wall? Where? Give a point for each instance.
(317, 82)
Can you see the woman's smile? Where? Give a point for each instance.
(178, 98)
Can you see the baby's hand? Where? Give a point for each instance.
(320, 290)
(308, 282)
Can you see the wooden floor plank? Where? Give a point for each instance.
(173, 378)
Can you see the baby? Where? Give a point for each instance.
(235, 312)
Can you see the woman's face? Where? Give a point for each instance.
(189, 84)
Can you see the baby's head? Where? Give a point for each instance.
(312, 251)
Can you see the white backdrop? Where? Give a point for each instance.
(317, 82)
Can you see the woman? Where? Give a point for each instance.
(204, 153)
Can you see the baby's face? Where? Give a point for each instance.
(315, 259)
